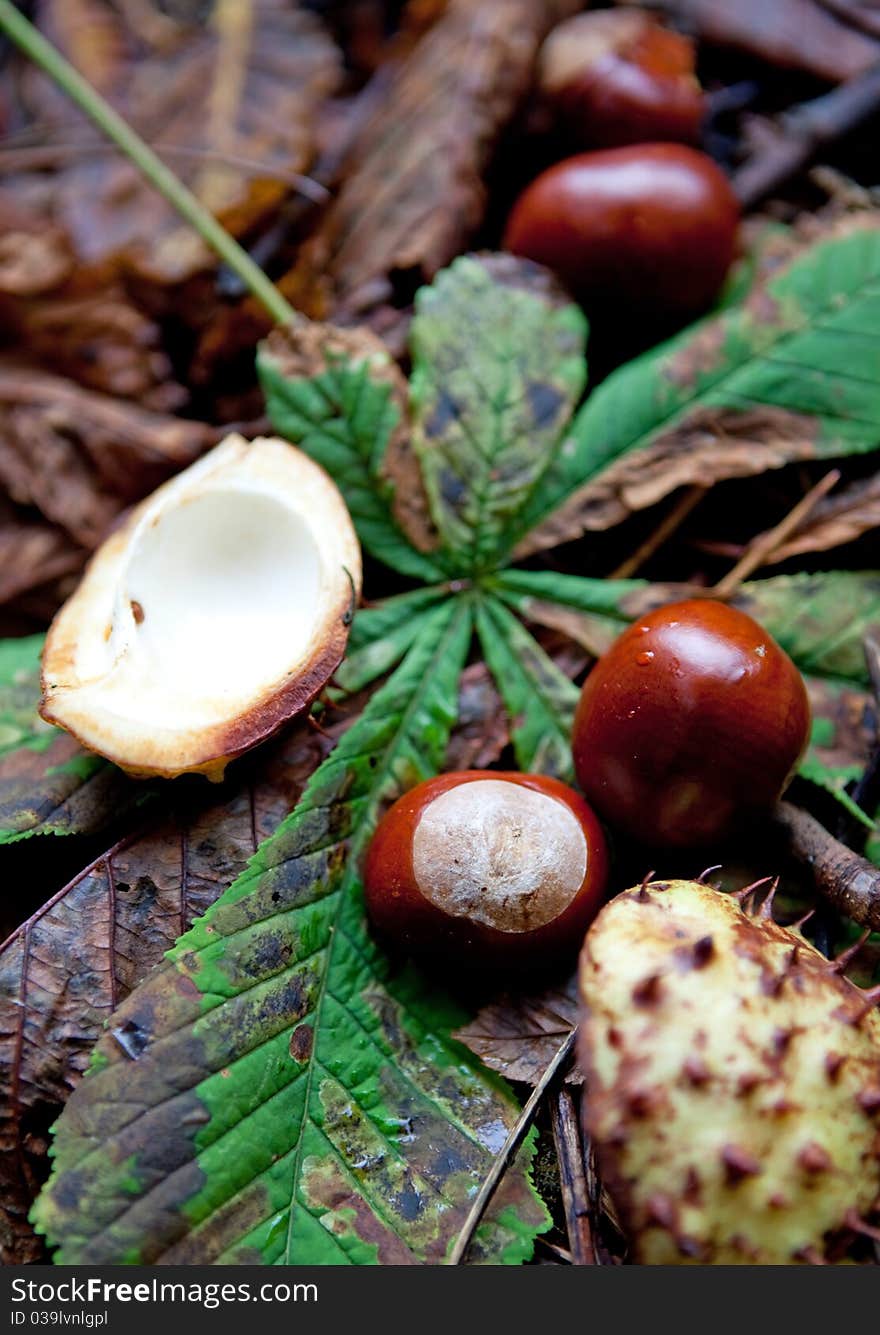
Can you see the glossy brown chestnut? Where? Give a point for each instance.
(615, 77)
(691, 723)
(484, 868)
(650, 229)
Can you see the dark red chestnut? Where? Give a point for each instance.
(487, 868)
(691, 723)
(616, 77)
(651, 229)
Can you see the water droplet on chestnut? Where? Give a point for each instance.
(719, 731)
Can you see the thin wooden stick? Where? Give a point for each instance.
(508, 1150)
(662, 533)
(575, 1198)
(799, 134)
(766, 543)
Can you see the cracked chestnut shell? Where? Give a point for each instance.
(487, 868)
(653, 226)
(617, 77)
(215, 612)
(692, 722)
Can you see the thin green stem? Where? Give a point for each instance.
(44, 54)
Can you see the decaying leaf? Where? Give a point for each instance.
(789, 374)
(844, 734)
(231, 100)
(482, 732)
(518, 1036)
(74, 319)
(415, 192)
(65, 970)
(337, 394)
(498, 366)
(709, 446)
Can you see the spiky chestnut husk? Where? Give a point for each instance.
(733, 1080)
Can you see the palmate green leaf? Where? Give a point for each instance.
(381, 635)
(344, 418)
(497, 371)
(281, 1093)
(48, 784)
(806, 343)
(539, 699)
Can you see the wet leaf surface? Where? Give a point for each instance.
(791, 374)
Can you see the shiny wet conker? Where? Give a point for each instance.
(690, 725)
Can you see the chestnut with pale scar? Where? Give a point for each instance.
(494, 868)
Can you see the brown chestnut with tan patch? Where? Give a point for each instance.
(693, 722)
(615, 77)
(487, 868)
(649, 231)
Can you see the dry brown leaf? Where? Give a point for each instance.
(32, 553)
(76, 319)
(232, 99)
(415, 191)
(707, 446)
(79, 457)
(519, 1035)
(796, 34)
(483, 728)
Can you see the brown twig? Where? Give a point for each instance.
(765, 544)
(661, 534)
(795, 139)
(508, 1150)
(848, 882)
(575, 1198)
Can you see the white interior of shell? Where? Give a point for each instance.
(198, 620)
